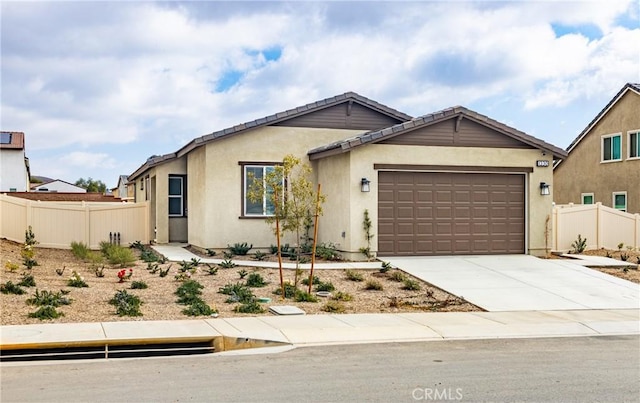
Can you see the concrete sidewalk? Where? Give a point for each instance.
(312, 330)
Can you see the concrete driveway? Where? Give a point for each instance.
(522, 282)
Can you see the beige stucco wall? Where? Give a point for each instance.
(360, 163)
(218, 182)
(583, 171)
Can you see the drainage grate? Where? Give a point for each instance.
(107, 351)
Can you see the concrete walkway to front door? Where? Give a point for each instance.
(522, 282)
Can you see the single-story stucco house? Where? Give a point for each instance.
(450, 182)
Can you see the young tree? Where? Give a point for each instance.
(93, 186)
(292, 204)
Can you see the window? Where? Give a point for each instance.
(612, 147)
(634, 144)
(259, 208)
(176, 196)
(5, 138)
(587, 198)
(620, 201)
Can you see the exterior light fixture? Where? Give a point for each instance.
(364, 185)
(544, 189)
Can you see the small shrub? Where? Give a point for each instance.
(227, 264)
(620, 245)
(260, 256)
(211, 270)
(242, 273)
(255, 280)
(190, 266)
(373, 285)
(148, 255)
(152, 267)
(333, 307)
(249, 307)
(227, 255)
(328, 286)
(199, 308)
(119, 255)
(579, 245)
(289, 290)
(60, 272)
(303, 296)
(27, 280)
(240, 249)
(386, 266)
(126, 304)
(139, 285)
(28, 252)
(411, 285)
(44, 297)
(211, 252)
(398, 276)
(327, 251)
(354, 275)
(99, 271)
(342, 296)
(183, 276)
(76, 280)
(10, 288)
(10, 266)
(316, 280)
(188, 292)
(80, 250)
(46, 312)
(237, 293)
(137, 245)
(124, 275)
(164, 272)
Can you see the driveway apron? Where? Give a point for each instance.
(522, 282)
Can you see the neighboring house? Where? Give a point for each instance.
(66, 197)
(125, 190)
(604, 160)
(57, 185)
(451, 182)
(14, 165)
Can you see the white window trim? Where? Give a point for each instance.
(629, 133)
(613, 200)
(181, 196)
(244, 184)
(582, 195)
(602, 138)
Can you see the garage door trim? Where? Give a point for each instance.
(451, 168)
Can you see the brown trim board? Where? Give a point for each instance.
(449, 168)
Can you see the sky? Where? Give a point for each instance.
(98, 87)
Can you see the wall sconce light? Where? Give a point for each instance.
(364, 185)
(544, 189)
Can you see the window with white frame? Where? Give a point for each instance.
(176, 196)
(612, 147)
(263, 207)
(634, 144)
(587, 198)
(620, 201)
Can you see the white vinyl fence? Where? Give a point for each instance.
(57, 224)
(602, 226)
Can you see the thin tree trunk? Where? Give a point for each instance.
(315, 237)
(278, 241)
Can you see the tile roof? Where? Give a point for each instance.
(628, 86)
(270, 120)
(378, 135)
(17, 141)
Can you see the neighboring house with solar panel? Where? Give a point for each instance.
(14, 165)
(603, 165)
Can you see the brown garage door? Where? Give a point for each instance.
(442, 213)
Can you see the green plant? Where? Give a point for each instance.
(398, 276)
(289, 290)
(29, 237)
(327, 251)
(183, 276)
(80, 250)
(117, 255)
(255, 280)
(227, 255)
(579, 245)
(137, 245)
(354, 275)
(303, 296)
(211, 270)
(10, 266)
(199, 308)
(373, 285)
(411, 285)
(126, 304)
(76, 280)
(124, 275)
(624, 256)
(60, 272)
(249, 307)
(620, 246)
(27, 280)
(99, 271)
(237, 292)
(147, 255)
(260, 256)
(316, 280)
(28, 252)
(10, 288)
(188, 292)
(46, 312)
(227, 264)
(240, 249)
(164, 272)
(152, 267)
(242, 273)
(366, 226)
(386, 266)
(138, 285)
(190, 266)
(44, 297)
(342, 296)
(333, 307)
(328, 286)
(211, 252)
